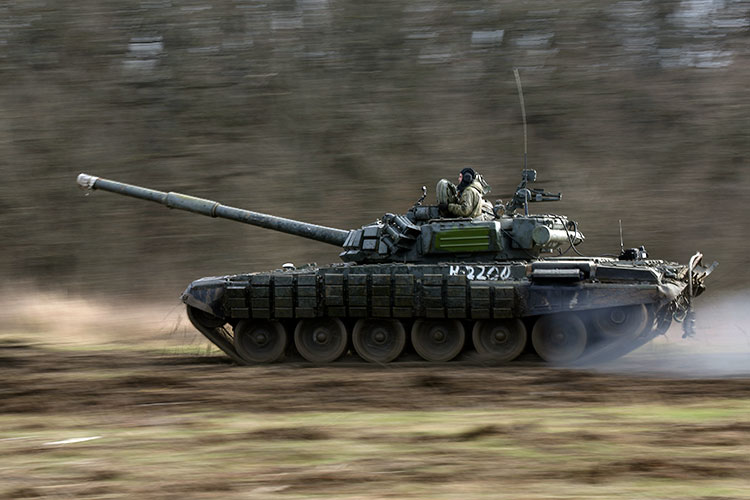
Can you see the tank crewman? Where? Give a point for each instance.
(466, 199)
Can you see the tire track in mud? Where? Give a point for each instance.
(39, 380)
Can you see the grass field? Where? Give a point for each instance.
(639, 450)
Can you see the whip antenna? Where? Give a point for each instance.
(523, 113)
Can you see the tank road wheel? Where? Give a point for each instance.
(437, 339)
(618, 322)
(500, 340)
(559, 338)
(621, 330)
(320, 340)
(260, 340)
(378, 340)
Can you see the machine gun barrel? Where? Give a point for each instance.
(542, 195)
(211, 208)
(524, 195)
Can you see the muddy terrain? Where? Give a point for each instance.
(182, 422)
(41, 381)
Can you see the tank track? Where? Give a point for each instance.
(598, 347)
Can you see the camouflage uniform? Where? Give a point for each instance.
(470, 203)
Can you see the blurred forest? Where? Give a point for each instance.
(335, 112)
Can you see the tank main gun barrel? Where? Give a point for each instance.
(211, 208)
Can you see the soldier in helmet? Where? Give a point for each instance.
(465, 199)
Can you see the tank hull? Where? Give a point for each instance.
(469, 294)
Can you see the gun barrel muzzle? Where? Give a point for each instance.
(87, 181)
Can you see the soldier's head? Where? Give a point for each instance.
(466, 177)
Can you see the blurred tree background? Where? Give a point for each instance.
(335, 112)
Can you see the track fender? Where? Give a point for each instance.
(205, 294)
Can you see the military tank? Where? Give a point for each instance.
(495, 287)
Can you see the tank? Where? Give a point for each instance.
(491, 288)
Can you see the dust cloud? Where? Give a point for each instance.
(64, 320)
(720, 347)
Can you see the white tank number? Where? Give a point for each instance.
(481, 273)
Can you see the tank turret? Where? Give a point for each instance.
(419, 235)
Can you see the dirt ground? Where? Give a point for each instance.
(41, 381)
(105, 422)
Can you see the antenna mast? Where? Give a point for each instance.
(523, 113)
(525, 141)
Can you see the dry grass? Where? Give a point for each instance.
(643, 450)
